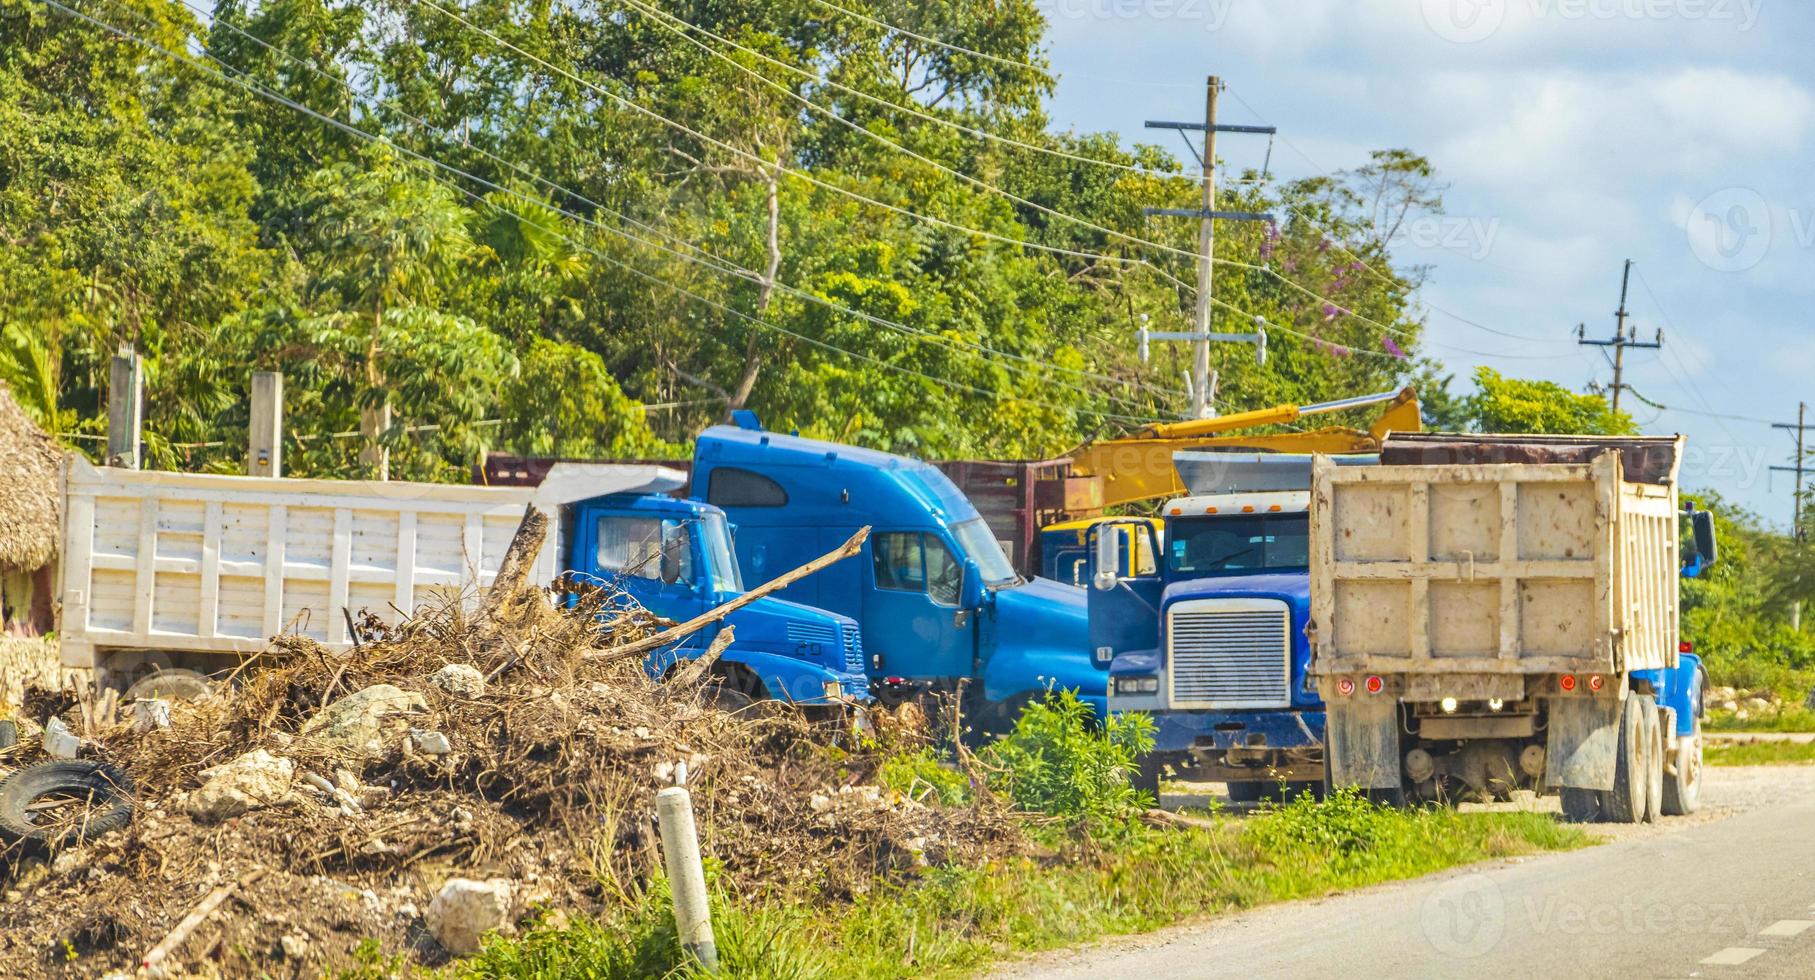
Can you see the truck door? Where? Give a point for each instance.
(1124, 606)
(910, 607)
(654, 559)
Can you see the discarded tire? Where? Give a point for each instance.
(173, 684)
(52, 804)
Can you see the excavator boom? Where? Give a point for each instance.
(1139, 467)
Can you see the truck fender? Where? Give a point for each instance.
(1584, 739)
(1361, 742)
(787, 678)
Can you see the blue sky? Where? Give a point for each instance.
(1574, 134)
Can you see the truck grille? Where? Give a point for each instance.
(1230, 653)
(853, 649)
(799, 632)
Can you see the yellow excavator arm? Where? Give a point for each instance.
(1139, 467)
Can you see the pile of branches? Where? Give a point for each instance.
(548, 781)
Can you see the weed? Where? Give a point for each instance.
(1057, 762)
(1760, 754)
(922, 773)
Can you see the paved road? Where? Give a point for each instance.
(1727, 893)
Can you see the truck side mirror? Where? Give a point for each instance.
(970, 586)
(1702, 524)
(1108, 557)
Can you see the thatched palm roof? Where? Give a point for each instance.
(28, 489)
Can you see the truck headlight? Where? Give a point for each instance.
(834, 689)
(1137, 685)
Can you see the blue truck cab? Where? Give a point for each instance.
(674, 557)
(1211, 642)
(936, 597)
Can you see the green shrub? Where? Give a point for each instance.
(1057, 762)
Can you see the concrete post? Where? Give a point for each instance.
(125, 408)
(686, 878)
(265, 436)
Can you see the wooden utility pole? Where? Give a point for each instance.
(1622, 339)
(125, 408)
(1207, 215)
(265, 436)
(1801, 429)
(1206, 261)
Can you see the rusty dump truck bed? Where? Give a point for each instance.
(1497, 555)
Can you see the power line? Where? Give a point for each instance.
(667, 21)
(910, 110)
(706, 258)
(1335, 240)
(760, 162)
(362, 134)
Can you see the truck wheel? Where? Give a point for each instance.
(1581, 805)
(53, 803)
(1146, 776)
(1625, 803)
(1683, 790)
(1654, 762)
(1246, 791)
(169, 684)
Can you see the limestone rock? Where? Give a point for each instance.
(465, 910)
(254, 780)
(460, 680)
(357, 722)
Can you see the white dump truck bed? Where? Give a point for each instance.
(157, 564)
(1556, 555)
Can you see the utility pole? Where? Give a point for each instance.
(1622, 339)
(125, 408)
(1801, 430)
(1201, 338)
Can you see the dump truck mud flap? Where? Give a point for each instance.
(1362, 742)
(1584, 738)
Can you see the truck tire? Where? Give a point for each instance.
(97, 796)
(1149, 769)
(1683, 789)
(1654, 762)
(169, 684)
(1247, 791)
(1625, 803)
(1581, 805)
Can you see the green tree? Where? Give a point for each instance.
(1502, 404)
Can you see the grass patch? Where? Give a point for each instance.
(958, 920)
(1789, 718)
(1760, 754)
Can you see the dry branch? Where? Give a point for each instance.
(519, 558)
(688, 628)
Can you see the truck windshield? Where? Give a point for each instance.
(980, 545)
(715, 537)
(1247, 543)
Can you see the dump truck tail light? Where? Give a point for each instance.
(1685, 647)
(1596, 682)
(1375, 685)
(1567, 682)
(1345, 686)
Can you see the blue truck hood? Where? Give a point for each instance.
(804, 633)
(1292, 587)
(1042, 640)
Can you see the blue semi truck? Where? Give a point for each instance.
(1210, 642)
(939, 603)
(675, 558)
